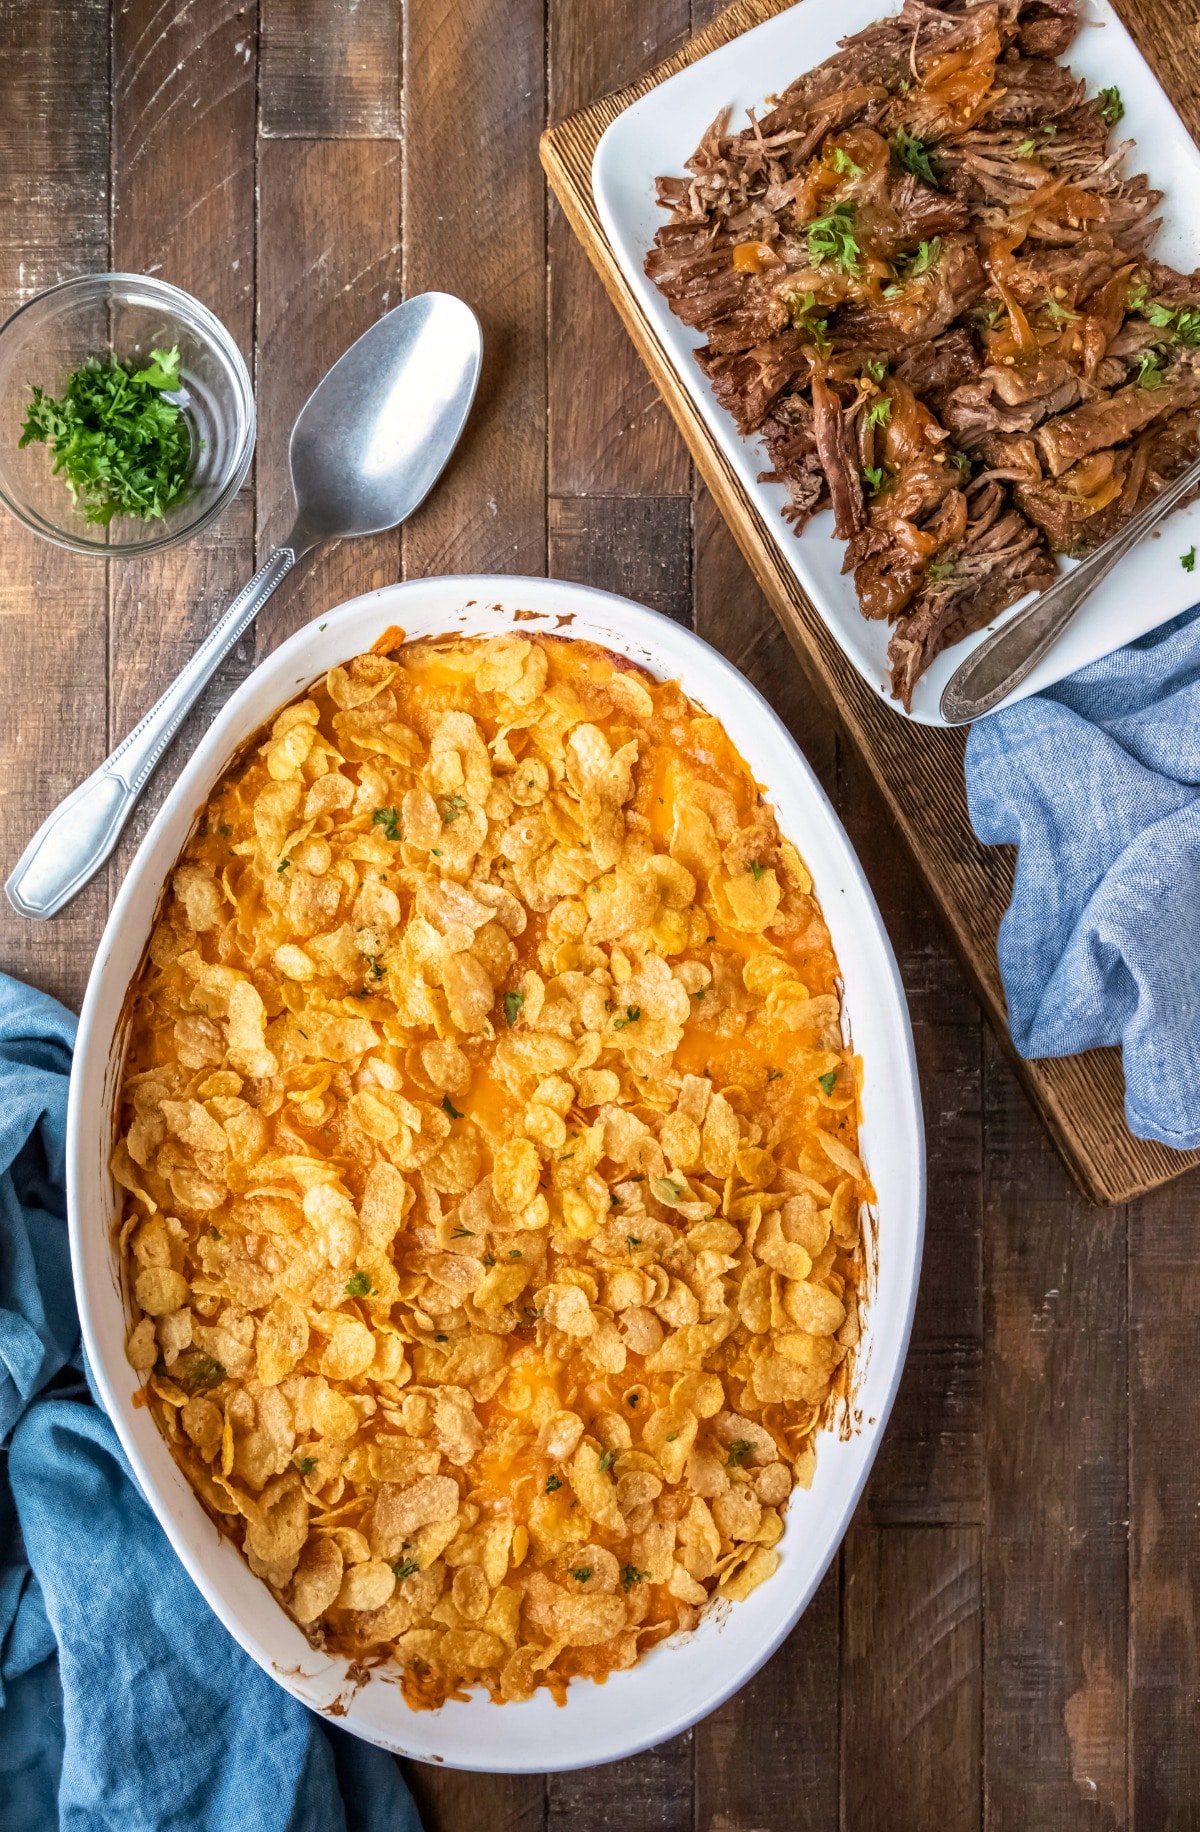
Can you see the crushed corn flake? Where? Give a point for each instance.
(489, 1284)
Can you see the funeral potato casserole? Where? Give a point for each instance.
(487, 1140)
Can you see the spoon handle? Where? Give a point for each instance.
(996, 666)
(74, 840)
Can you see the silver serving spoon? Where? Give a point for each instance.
(369, 445)
(996, 666)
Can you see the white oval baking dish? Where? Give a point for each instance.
(683, 1680)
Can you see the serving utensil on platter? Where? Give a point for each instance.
(368, 446)
(998, 665)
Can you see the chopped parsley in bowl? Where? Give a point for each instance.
(126, 415)
(118, 436)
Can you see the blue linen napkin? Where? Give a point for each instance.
(124, 1703)
(1097, 783)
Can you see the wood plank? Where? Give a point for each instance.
(640, 547)
(930, 1465)
(183, 104)
(769, 1758)
(611, 435)
(910, 1719)
(53, 223)
(1057, 1496)
(329, 265)
(649, 1793)
(918, 771)
(731, 613)
(450, 1801)
(1164, 1442)
(475, 81)
(330, 72)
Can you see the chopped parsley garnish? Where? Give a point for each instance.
(632, 1241)
(306, 1465)
(1025, 148)
(912, 153)
(802, 308)
(632, 1014)
(607, 1459)
(357, 1285)
(513, 1002)
(1149, 371)
(872, 476)
(842, 162)
(452, 807)
(960, 461)
(462, 1234)
(120, 446)
(449, 1107)
(552, 1483)
(389, 820)
(879, 412)
(1058, 311)
(1188, 560)
(515, 1253)
(827, 1081)
(582, 1573)
(630, 1576)
(1111, 105)
(876, 368)
(407, 1568)
(740, 1452)
(1179, 324)
(831, 239)
(774, 1074)
(282, 866)
(375, 966)
(939, 570)
(909, 266)
(197, 1373)
(756, 870)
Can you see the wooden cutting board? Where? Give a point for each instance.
(919, 769)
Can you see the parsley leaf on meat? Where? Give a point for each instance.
(831, 239)
(910, 151)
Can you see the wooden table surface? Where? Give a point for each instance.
(1010, 1636)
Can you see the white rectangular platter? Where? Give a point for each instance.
(660, 130)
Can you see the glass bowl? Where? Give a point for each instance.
(125, 315)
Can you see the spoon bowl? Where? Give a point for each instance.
(376, 432)
(368, 446)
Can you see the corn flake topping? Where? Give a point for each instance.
(488, 1152)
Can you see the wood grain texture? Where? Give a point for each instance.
(1164, 1473)
(767, 1761)
(609, 432)
(183, 103)
(930, 1466)
(638, 547)
(53, 224)
(911, 1681)
(918, 771)
(329, 264)
(649, 1793)
(475, 90)
(330, 70)
(1057, 1507)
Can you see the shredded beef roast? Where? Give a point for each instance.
(923, 283)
